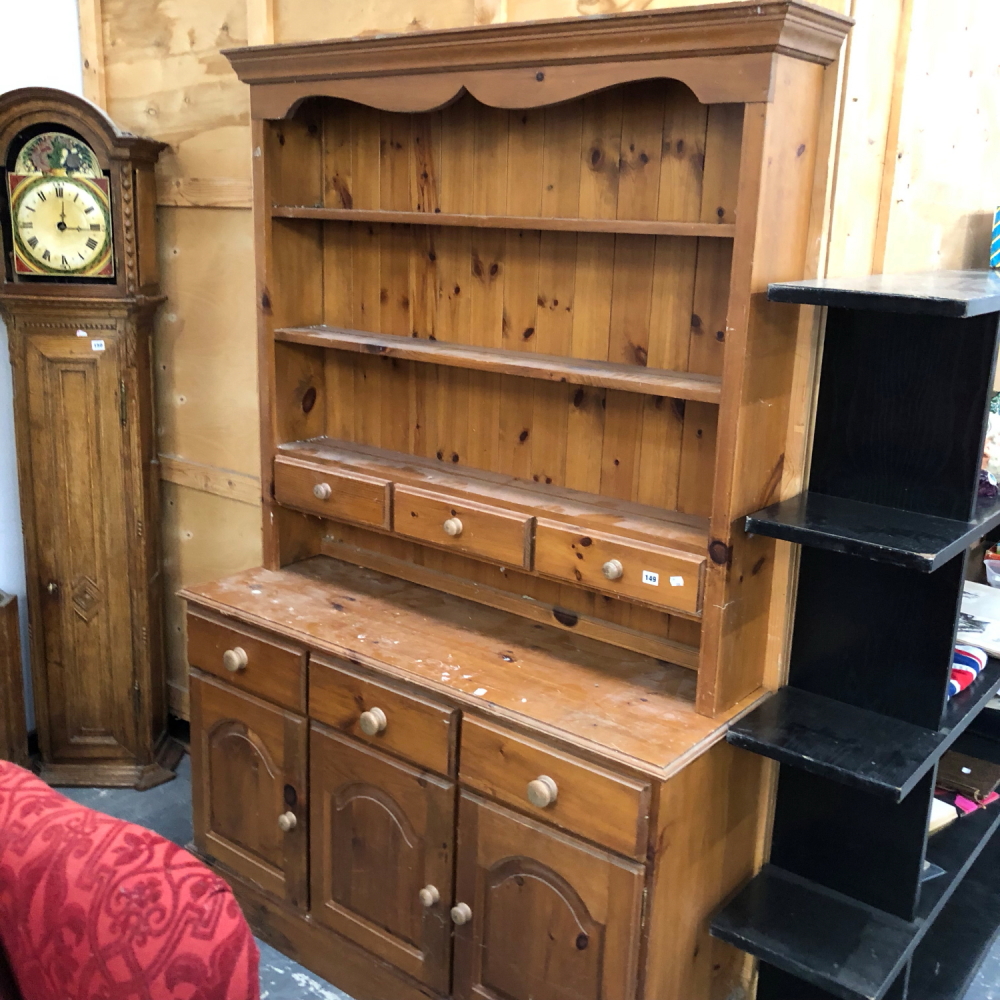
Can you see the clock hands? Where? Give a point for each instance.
(61, 224)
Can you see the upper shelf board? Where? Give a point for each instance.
(958, 294)
(548, 367)
(726, 53)
(641, 227)
(898, 537)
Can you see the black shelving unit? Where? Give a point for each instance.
(840, 910)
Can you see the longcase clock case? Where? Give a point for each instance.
(80, 352)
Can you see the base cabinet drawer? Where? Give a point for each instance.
(388, 718)
(578, 796)
(252, 661)
(382, 855)
(248, 775)
(543, 916)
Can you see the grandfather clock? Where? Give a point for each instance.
(78, 290)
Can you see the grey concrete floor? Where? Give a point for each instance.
(167, 811)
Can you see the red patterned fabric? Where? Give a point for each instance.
(94, 908)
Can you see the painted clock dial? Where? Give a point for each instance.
(60, 210)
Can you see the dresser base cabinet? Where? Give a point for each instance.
(429, 831)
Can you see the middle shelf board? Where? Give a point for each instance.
(641, 227)
(548, 367)
(903, 538)
(839, 944)
(855, 746)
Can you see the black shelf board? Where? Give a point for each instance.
(959, 294)
(949, 956)
(884, 534)
(854, 746)
(839, 944)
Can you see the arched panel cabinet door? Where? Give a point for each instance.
(542, 916)
(382, 854)
(248, 772)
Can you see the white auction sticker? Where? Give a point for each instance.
(97, 345)
(653, 579)
(82, 333)
(677, 581)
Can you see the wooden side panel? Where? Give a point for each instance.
(704, 849)
(777, 180)
(13, 727)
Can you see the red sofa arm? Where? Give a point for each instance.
(94, 907)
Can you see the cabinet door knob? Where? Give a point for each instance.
(322, 491)
(373, 721)
(543, 791)
(453, 527)
(235, 659)
(613, 569)
(461, 914)
(429, 895)
(52, 587)
(287, 822)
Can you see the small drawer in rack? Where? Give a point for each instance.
(475, 529)
(334, 492)
(670, 578)
(249, 660)
(568, 792)
(383, 715)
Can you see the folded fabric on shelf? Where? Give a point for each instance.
(966, 665)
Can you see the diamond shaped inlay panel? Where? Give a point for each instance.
(86, 598)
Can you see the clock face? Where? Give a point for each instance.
(62, 225)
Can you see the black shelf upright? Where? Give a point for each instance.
(841, 910)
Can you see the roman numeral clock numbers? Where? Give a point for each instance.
(61, 226)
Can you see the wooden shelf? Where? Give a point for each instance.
(854, 746)
(642, 227)
(885, 534)
(547, 367)
(852, 950)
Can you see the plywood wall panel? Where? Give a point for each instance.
(308, 20)
(204, 537)
(205, 346)
(947, 166)
(165, 78)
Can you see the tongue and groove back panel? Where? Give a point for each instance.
(628, 227)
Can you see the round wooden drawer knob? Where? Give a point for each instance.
(235, 659)
(429, 895)
(542, 792)
(453, 527)
(461, 914)
(287, 822)
(322, 491)
(373, 721)
(613, 569)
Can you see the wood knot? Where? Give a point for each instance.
(719, 552)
